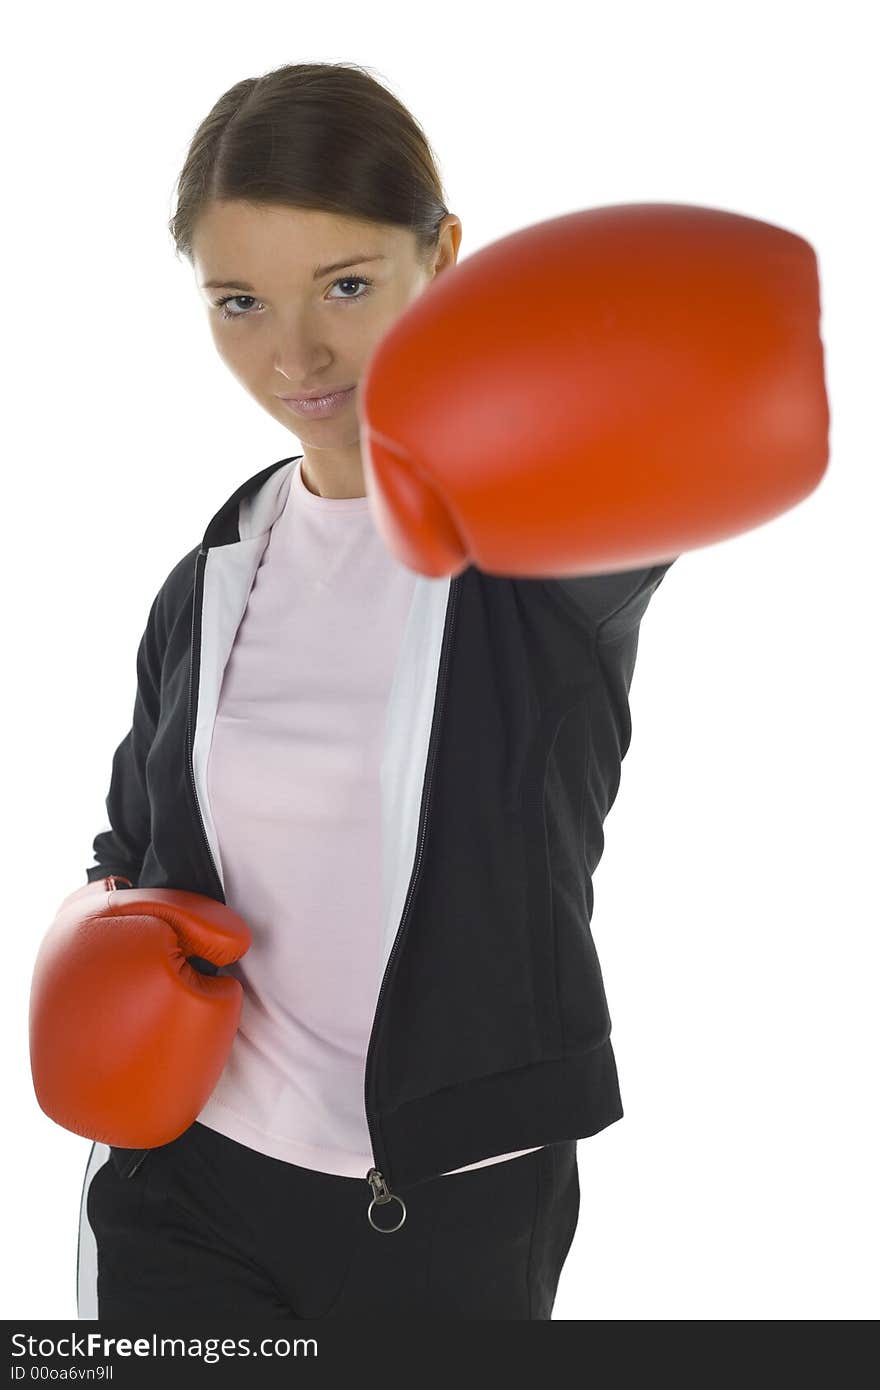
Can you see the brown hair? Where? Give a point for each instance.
(325, 136)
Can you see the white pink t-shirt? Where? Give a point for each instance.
(293, 784)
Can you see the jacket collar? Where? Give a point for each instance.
(253, 508)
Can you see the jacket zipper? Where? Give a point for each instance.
(195, 639)
(379, 1176)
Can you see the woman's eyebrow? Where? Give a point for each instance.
(319, 271)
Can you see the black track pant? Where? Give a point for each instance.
(209, 1228)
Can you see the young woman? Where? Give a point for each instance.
(398, 782)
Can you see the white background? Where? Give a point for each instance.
(736, 903)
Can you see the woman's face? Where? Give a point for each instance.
(289, 325)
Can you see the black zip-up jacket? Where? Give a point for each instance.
(508, 722)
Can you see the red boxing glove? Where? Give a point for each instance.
(127, 1040)
(598, 392)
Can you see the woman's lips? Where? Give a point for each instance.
(321, 405)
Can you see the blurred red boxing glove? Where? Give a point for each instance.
(601, 391)
(127, 1040)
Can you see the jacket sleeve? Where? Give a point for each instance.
(121, 848)
(611, 605)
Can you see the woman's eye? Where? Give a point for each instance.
(353, 280)
(226, 313)
(230, 299)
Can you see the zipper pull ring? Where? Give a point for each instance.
(381, 1195)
